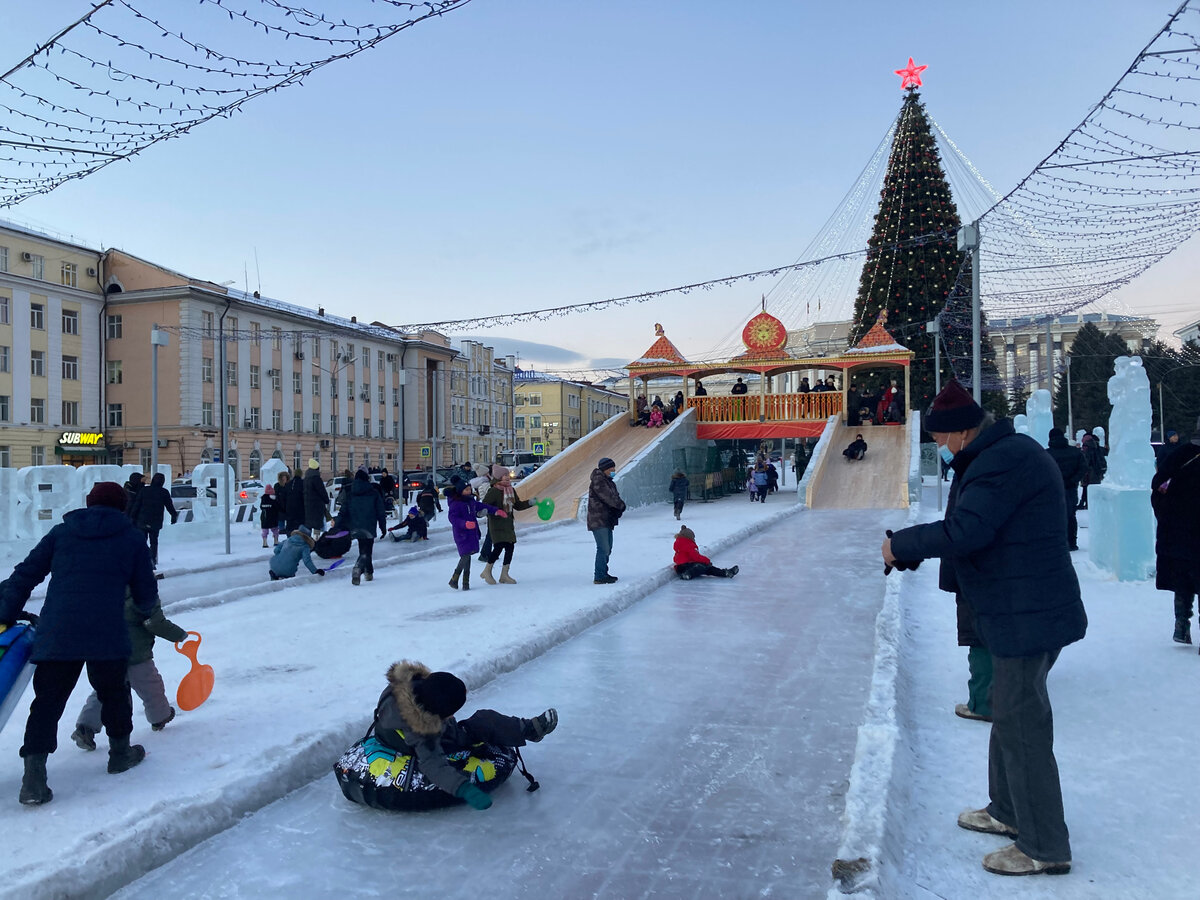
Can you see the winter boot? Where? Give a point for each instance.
(504, 576)
(264, 542)
(454, 580)
(34, 790)
(539, 726)
(355, 575)
(1183, 631)
(676, 516)
(486, 574)
(731, 571)
(84, 737)
(370, 576)
(159, 726)
(121, 756)
(466, 580)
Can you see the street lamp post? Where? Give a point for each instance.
(157, 339)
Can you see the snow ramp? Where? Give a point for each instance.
(880, 480)
(567, 475)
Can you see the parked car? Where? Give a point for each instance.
(525, 470)
(248, 491)
(183, 496)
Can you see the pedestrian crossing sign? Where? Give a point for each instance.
(539, 449)
(426, 452)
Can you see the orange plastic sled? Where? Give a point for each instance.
(197, 684)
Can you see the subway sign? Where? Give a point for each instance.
(81, 439)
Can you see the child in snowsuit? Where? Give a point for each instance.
(268, 518)
(463, 515)
(415, 526)
(761, 482)
(691, 563)
(415, 717)
(295, 550)
(656, 418)
(856, 450)
(142, 674)
(679, 490)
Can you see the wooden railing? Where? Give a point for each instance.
(774, 407)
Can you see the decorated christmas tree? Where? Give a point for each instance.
(912, 260)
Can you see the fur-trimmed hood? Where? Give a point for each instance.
(400, 680)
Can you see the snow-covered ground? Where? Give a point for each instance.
(630, 804)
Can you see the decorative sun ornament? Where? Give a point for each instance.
(910, 76)
(764, 334)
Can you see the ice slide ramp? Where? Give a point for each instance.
(878, 481)
(566, 476)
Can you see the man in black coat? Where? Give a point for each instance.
(293, 505)
(316, 499)
(93, 557)
(1074, 469)
(362, 515)
(1006, 542)
(1175, 496)
(149, 506)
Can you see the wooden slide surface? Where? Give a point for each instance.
(878, 481)
(567, 480)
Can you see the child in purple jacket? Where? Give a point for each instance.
(464, 509)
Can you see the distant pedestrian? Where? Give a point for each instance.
(428, 502)
(1073, 468)
(414, 525)
(362, 515)
(700, 390)
(772, 477)
(690, 563)
(502, 496)
(283, 483)
(294, 505)
(1166, 448)
(679, 490)
(149, 506)
(739, 387)
(463, 511)
(1175, 496)
(268, 517)
(132, 487)
(604, 509)
(316, 499)
(761, 482)
(1097, 465)
(93, 557)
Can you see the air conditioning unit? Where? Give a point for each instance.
(271, 373)
(391, 357)
(247, 424)
(298, 354)
(365, 395)
(163, 443)
(91, 272)
(324, 443)
(27, 256)
(129, 445)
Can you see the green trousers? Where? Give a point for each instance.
(979, 685)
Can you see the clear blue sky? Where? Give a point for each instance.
(520, 154)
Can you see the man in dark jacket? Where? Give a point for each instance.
(387, 484)
(92, 558)
(316, 499)
(132, 488)
(362, 515)
(149, 505)
(293, 506)
(1074, 469)
(1007, 544)
(1175, 496)
(427, 501)
(603, 510)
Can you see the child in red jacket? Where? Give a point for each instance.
(691, 563)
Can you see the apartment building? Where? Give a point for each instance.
(1020, 343)
(50, 350)
(481, 403)
(298, 383)
(551, 413)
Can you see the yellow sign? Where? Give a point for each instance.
(426, 452)
(81, 438)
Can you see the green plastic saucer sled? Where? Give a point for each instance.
(545, 508)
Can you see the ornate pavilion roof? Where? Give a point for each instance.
(878, 339)
(661, 352)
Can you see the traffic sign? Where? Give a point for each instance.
(539, 449)
(426, 452)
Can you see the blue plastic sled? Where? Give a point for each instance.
(16, 645)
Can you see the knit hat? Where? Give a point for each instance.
(499, 473)
(1057, 433)
(685, 532)
(953, 410)
(313, 464)
(605, 464)
(440, 693)
(268, 490)
(1171, 434)
(361, 475)
(108, 493)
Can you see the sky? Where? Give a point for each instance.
(519, 155)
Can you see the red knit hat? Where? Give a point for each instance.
(953, 410)
(107, 493)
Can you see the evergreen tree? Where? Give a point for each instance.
(906, 273)
(1018, 394)
(1174, 387)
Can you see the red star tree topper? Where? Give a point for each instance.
(910, 76)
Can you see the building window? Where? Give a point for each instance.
(379, 356)
(316, 345)
(231, 328)
(116, 415)
(296, 376)
(366, 428)
(113, 367)
(573, 401)
(316, 385)
(113, 328)
(296, 459)
(206, 322)
(206, 414)
(4, 302)
(231, 415)
(255, 418)
(70, 321)
(535, 399)
(5, 451)
(70, 368)
(350, 425)
(535, 421)
(206, 367)
(519, 400)
(5, 408)
(37, 316)
(395, 396)
(4, 265)
(520, 444)
(255, 376)
(37, 362)
(231, 373)
(382, 394)
(332, 423)
(70, 274)
(333, 386)
(277, 338)
(37, 266)
(519, 423)
(145, 457)
(395, 431)
(255, 463)
(349, 390)
(366, 358)
(276, 381)
(297, 422)
(316, 423)
(256, 333)
(37, 456)
(4, 359)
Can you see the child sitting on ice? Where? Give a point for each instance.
(415, 717)
(856, 450)
(416, 528)
(142, 674)
(295, 550)
(656, 418)
(464, 512)
(691, 563)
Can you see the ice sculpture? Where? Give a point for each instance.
(1121, 522)
(9, 499)
(48, 492)
(269, 473)
(216, 475)
(1079, 437)
(1041, 418)
(1098, 431)
(1021, 423)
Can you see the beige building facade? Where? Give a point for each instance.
(481, 388)
(50, 350)
(551, 413)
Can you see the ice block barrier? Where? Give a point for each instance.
(1121, 531)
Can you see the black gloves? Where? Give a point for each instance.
(321, 572)
(903, 565)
